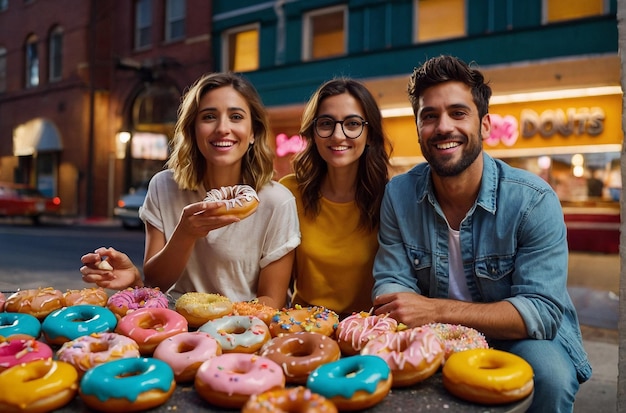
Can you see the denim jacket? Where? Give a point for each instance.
(513, 246)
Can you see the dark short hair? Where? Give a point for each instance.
(449, 68)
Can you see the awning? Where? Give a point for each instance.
(37, 135)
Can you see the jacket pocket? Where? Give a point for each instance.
(493, 275)
(421, 261)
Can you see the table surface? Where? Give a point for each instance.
(427, 396)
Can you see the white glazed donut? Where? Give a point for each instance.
(237, 333)
(238, 200)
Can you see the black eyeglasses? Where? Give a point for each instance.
(352, 126)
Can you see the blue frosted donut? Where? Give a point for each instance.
(352, 383)
(19, 323)
(69, 323)
(124, 383)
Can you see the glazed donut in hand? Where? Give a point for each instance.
(127, 385)
(185, 352)
(300, 353)
(37, 386)
(89, 351)
(198, 308)
(237, 333)
(230, 379)
(37, 302)
(354, 331)
(69, 323)
(150, 326)
(458, 338)
(20, 351)
(413, 355)
(131, 299)
(91, 296)
(488, 376)
(352, 383)
(316, 318)
(296, 399)
(238, 200)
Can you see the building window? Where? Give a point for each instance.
(240, 49)
(32, 62)
(3, 69)
(439, 19)
(143, 24)
(56, 54)
(561, 10)
(175, 15)
(325, 33)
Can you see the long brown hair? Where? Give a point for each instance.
(373, 173)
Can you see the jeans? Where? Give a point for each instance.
(555, 376)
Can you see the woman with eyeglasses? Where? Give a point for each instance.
(338, 183)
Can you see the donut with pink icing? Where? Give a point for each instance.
(131, 299)
(413, 355)
(230, 379)
(89, 351)
(150, 326)
(354, 331)
(13, 352)
(185, 352)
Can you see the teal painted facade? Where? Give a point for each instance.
(380, 41)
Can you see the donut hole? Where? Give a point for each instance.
(130, 373)
(350, 373)
(233, 330)
(185, 348)
(152, 324)
(80, 319)
(98, 347)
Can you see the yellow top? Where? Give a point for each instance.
(334, 260)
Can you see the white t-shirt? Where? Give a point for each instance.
(457, 287)
(229, 259)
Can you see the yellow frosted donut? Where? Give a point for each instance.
(198, 308)
(488, 376)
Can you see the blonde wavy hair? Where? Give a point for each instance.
(186, 161)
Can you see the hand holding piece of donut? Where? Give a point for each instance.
(109, 268)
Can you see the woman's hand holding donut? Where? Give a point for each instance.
(199, 218)
(109, 268)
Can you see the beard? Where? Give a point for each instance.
(444, 165)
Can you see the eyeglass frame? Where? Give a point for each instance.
(341, 122)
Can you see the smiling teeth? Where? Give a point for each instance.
(339, 148)
(222, 144)
(448, 145)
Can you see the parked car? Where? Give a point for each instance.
(127, 209)
(19, 200)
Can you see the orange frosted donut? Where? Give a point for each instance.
(185, 352)
(150, 326)
(131, 299)
(354, 331)
(413, 355)
(237, 333)
(37, 386)
(37, 302)
(488, 376)
(89, 351)
(458, 338)
(230, 379)
(198, 308)
(238, 200)
(256, 309)
(300, 353)
(92, 296)
(316, 318)
(296, 399)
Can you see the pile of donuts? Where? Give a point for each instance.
(128, 352)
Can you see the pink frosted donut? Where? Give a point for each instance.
(150, 326)
(131, 299)
(185, 352)
(354, 331)
(20, 351)
(458, 338)
(89, 351)
(413, 355)
(230, 379)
